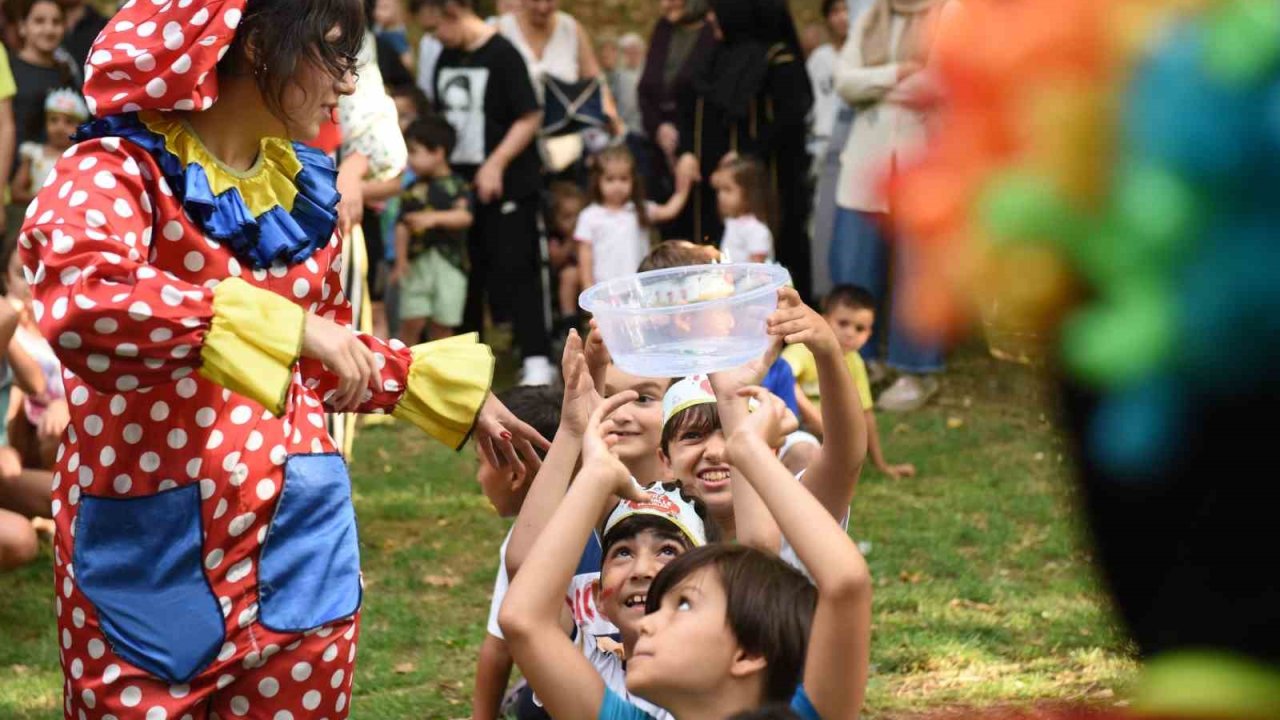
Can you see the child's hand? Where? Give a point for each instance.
(769, 421)
(598, 457)
(727, 383)
(897, 472)
(687, 169)
(421, 221)
(598, 358)
(580, 396)
(796, 322)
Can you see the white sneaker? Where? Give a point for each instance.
(909, 392)
(537, 370)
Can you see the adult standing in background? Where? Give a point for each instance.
(554, 44)
(429, 48)
(753, 99)
(881, 74)
(832, 117)
(626, 82)
(680, 42)
(83, 25)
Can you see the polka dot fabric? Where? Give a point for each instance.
(123, 285)
(160, 55)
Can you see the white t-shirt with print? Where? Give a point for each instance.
(618, 242)
(580, 593)
(746, 236)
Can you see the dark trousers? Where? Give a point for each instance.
(507, 271)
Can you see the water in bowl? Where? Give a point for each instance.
(691, 355)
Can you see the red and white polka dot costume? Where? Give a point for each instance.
(206, 562)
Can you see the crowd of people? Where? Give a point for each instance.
(501, 162)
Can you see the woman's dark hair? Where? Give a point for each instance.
(25, 7)
(749, 174)
(702, 418)
(620, 153)
(637, 524)
(770, 607)
(280, 35)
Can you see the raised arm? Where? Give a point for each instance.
(568, 685)
(832, 476)
(686, 174)
(835, 677)
(753, 523)
(552, 480)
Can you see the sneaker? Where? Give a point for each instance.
(537, 371)
(909, 392)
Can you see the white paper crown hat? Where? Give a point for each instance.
(666, 504)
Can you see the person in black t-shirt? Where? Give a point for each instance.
(482, 87)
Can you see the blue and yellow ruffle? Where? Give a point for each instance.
(282, 210)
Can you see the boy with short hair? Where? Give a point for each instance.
(850, 311)
(483, 88)
(431, 235)
(506, 487)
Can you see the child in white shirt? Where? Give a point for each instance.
(742, 195)
(613, 231)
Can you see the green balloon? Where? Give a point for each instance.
(1019, 206)
(1121, 339)
(1243, 40)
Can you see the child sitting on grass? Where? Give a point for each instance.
(507, 486)
(850, 311)
(431, 236)
(725, 628)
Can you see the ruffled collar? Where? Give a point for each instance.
(281, 210)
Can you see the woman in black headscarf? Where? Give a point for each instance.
(752, 98)
(680, 43)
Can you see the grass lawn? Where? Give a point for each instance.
(983, 588)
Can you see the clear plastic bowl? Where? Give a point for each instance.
(686, 320)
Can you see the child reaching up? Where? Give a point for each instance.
(64, 110)
(742, 195)
(613, 231)
(850, 311)
(725, 628)
(507, 487)
(431, 236)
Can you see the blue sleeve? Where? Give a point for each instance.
(781, 381)
(615, 708)
(803, 707)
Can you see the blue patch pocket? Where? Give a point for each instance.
(309, 574)
(138, 561)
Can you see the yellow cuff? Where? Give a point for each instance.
(448, 383)
(253, 342)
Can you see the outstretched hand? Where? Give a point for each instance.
(598, 456)
(769, 420)
(506, 439)
(580, 396)
(796, 322)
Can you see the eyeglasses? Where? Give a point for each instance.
(349, 65)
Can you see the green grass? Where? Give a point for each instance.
(983, 588)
